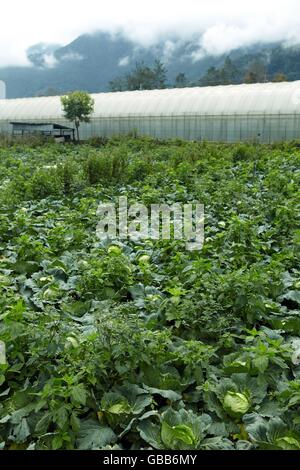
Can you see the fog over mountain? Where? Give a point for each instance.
(91, 61)
(86, 47)
(218, 26)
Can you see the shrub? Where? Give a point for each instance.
(104, 167)
(71, 176)
(98, 168)
(97, 141)
(33, 141)
(243, 152)
(44, 183)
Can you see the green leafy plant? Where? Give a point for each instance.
(122, 345)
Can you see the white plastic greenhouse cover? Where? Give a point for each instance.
(266, 98)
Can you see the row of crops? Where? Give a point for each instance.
(145, 345)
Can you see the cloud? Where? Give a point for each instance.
(71, 57)
(124, 61)
(169, 49)
(42, 55)
(50, 61)
(219, 25)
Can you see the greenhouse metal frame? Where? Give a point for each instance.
(267, 112)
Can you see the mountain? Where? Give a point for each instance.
(92, 61)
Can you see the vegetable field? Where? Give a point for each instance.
(145, 345)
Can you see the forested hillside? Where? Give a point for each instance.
(102, 62)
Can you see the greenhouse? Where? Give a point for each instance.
(265, 112)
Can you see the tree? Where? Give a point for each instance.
(257, 73)
(211, 78)
(181, 81)
(229, 73)
(279, 77)
(142, 77)
(159, 75)
(250, 77)
(49, 92)
(226, 75)
(77, 107)
(118, 84)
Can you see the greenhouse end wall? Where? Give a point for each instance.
(237, 128)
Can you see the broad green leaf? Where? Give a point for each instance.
(217, 443)
(22, 431)
(169, 394)
(94, 436)
(79, 394)
(151, 434)
(293, 295)
(61, 417)
(288, 443)
(261, 363)
(140, 403)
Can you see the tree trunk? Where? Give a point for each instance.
(77, 130)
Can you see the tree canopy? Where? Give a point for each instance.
(142, 77)
(78, 107)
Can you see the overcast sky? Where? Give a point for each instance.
(223, 24)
